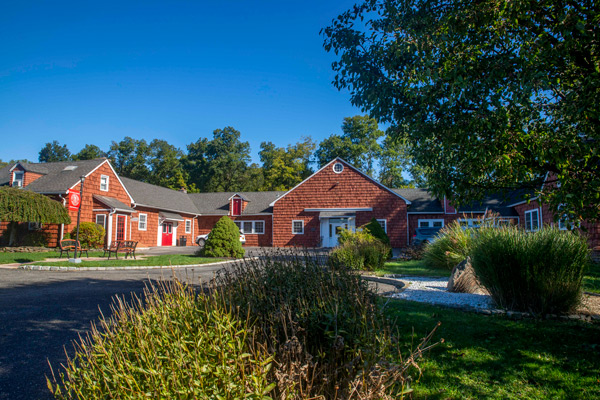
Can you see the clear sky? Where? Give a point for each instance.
(86, 72)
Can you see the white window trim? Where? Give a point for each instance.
(530, 219)
(240, 224)
(335, 165)
(384, 224)
(20, 181)
(294, 222)
(429, 221)
(101, 215)
(188, 226)
(107, 182)
(140, 222)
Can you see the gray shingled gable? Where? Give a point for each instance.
(218, 203)
(5, 177)
(159, 197)
(56, 179)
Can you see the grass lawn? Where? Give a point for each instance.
(591, 280)
(164, 260)
(497, 358)
(11, 258)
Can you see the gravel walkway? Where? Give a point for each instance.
(433, 291)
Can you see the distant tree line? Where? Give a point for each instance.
(223, 163)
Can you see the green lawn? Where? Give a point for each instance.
(163, 260)
(497, 358)
(591, 280)
(11, 258)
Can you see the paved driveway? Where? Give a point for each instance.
(41, 312)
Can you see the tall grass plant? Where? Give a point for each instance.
(452, 245)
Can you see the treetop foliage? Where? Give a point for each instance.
(489, 94)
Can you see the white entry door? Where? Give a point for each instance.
(334, 232)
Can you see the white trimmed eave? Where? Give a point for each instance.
(116, 175)
(350, 209)
(523, 202)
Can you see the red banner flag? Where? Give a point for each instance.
(74, 200)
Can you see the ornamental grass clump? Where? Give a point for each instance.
(360, 250)
(174, 344)
(329, 337)
(452, 245)
(539, 272)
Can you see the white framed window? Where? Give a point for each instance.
(251, 227)
(101, 220)
(188, 226)
(142, 222)
(383, 223)
(532, 220)
(338, 168)
(104, 183)
(18, 178)
(469, 222)
(34, 226)
(298, 227)
(431, 223)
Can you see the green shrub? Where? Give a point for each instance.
(452, 245)
(324, 326)
(174, 344)
(36, 238)
(223, 240)
(537, 272)
(360, 250)
(91, 235)
(375, 229)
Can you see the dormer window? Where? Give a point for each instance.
(18, 179)
(104, 183)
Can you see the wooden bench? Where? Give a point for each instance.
(68, 245)
(121, 246)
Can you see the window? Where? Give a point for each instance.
(142, 222)
(34, 226)
(104, 183)
(469, 222)
(251, 227)
(532, 220)
(188, 226)
(431, 223)
(563, 221)
(383, 224)
(18, 179)
(298, 227)
(338, 168)
(101, 220)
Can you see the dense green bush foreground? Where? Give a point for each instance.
(361, 250)
(284, 327)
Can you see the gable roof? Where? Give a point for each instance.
(146, 194)
(218, 203)
(55, 178)
(5, 175)
(421, 200)
(349, 166)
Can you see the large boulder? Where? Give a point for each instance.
(463, 279)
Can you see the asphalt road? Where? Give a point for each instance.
(42, 312)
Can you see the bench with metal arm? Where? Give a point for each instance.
(68, 245)
(121, 246)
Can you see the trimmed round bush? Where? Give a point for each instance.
(174, 344)
(451, 246)
(223, 240)
(537, 272)
(91, 235)
(360, 250)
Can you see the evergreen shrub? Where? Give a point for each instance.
(223, 240)
(91, 235)
(539, 272)
(36, 239)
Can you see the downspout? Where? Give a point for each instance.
(62, 226)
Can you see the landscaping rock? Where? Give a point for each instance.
(463, 279)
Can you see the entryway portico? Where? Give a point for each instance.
(333, 221)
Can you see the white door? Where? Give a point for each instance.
(334, 232)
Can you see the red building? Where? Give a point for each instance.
(312, 214)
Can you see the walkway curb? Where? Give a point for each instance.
(134, 267)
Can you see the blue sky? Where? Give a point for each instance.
(93, 72)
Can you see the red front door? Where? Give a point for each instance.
(121, 227)
(167, 234)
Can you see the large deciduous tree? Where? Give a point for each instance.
(52, 152)
(491, 94)
(129, 158)
(89, 152)
(358, 144)
(165, 166)
(18, 205)
(284, 168)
